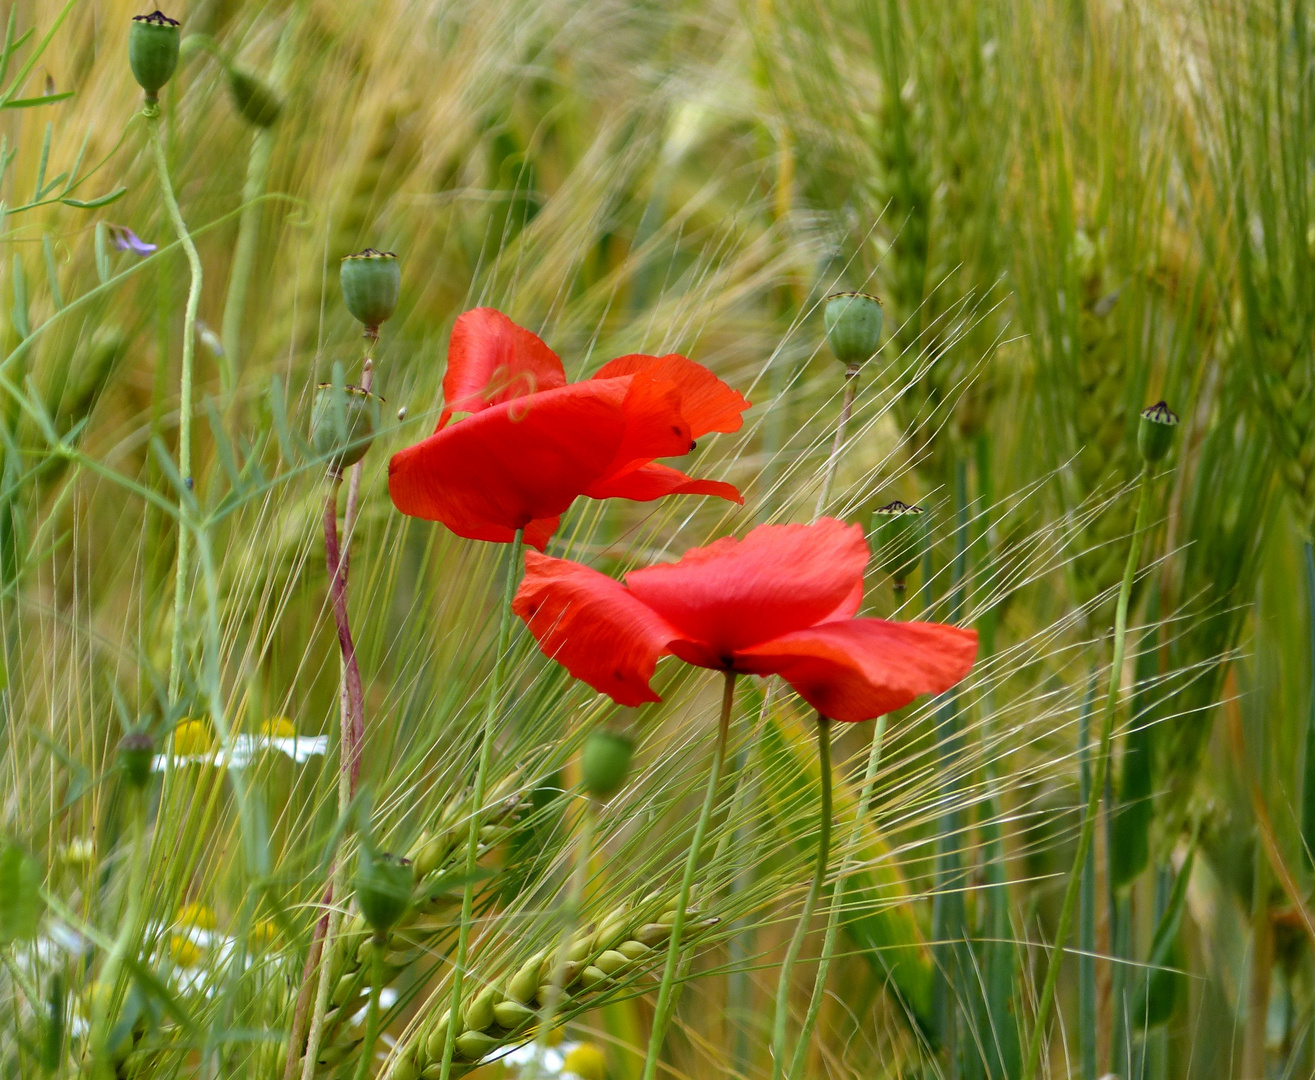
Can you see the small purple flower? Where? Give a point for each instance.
(125, 239)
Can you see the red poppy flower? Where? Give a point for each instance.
(779, 602)
(533, 443)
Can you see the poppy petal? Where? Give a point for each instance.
(861, 668)
(707, 403)
(511, 464)
(780, 578)
(491, 360)
(591, 625)
(653, 481)
(654, 426)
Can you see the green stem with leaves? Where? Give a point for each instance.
(152, 113)
(810, 902)
(1089, 813)
(481, 783)
(661, 1014)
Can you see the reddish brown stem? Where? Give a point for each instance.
(355, 731)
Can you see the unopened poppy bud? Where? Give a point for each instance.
(153, 51)
(343, 423)
(853, 327)
(383, 889)
(1155, 432)
(899, 537)
(257, 102)
(136, 751)
(371, 281)
(605, 762)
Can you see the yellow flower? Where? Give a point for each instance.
(263, 933)
(278, 727)
(192, 738)
(587, 1062)
(185, 951)
(196, 917)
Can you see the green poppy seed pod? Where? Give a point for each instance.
(153, 51)
(605, 762)
(383, 889)
(343, 423)
(1155, 432)
(853, 327)
(258, 103)
(899, 537)
(136, 751)
(371, 281)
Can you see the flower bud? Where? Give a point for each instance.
(153, 51)
(383, 889)
(1155, 432)
(899, 538)
(371, 281)
(605, 762)
(257, 102)
(136, 751)
(853, 327)
(343, 423)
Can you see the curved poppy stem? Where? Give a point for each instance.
(660, 1014)
(810, 902)
(481, 782)
(847, 407)
(1097, 784)
(838, 900)
(152, 114)
(570, 922)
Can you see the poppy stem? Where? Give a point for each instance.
(184, 394)
(377, 949)
(1097, 788)
(660, 1013)
(810, 902)
(838, 899)
(847, 407)
(481, 782)
(570, 921)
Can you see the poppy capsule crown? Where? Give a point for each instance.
(383, 889)
(153, 45)
(1155, 432)
(853, 327)
(136, 752)
(371, 282)
(899, 538)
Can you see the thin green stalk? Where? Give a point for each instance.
(1097, 785)
(124, 941)
(838, 899)
(244, 254)
(377, 949)
(851, 388)
(152, 114)
(1086, 920)
(810, 902)
(481, 782)
(570, 920)
(660, 1013)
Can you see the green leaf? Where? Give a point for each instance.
(32, 102)
(20, 894)
(19, 311)
(104, 269)
(878, 912)
(92, 204)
